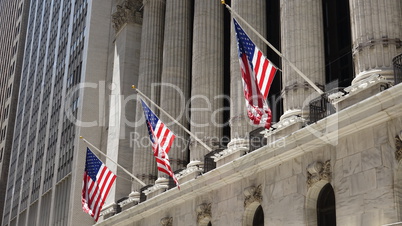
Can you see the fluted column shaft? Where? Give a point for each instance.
(144, 166)
(302, 43)
(376, 36)
(207, 76)
(175, 87)
(125, 71)
(254, 12)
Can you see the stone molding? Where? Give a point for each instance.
(398, 145)
(317, 171)
(373, 42)
(204, 212)
(167, 221)
(304, 85)
(252, 194)
(127, 12)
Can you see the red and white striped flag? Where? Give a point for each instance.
(257, 73)
(162, 139)
(98, 180)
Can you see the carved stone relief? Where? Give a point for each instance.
(398, 145)
(204, 212)
(167, 221)
(129, 11)
(252, 194)
(317, 171)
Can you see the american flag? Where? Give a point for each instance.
(257, 73)
(98, 180)
(161, 139)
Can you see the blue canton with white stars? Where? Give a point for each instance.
(92, 165)
(244, 43)
(151, 119)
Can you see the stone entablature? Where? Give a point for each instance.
(129, 11)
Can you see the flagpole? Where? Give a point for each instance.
(274, 49)
(174, 120)
(131, 175)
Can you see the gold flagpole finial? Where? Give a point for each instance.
(223, 2)
(133, 87)
(81, 137)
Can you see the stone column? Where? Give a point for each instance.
(254, 12)
(144, 166)
(376, 36)
(302, 42)
(207, 77)
(127, 22)
(175, 87)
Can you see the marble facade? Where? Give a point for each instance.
(354, 152)
(353, 149)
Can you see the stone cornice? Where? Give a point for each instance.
(127, 12)
(372, 111)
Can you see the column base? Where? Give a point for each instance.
(359, 91)
(236, 148)
(132, 200)
(290, 113)
(386, 73)
(285, 127)
(161, 185)
(108, 211)
(193, 170)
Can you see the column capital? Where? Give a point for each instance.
(129, 11)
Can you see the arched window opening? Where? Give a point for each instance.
(326, 214)
(209, 224)
(258, 219)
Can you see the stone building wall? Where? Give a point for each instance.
(286, 178)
